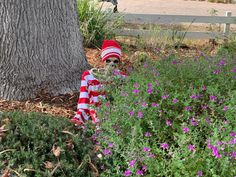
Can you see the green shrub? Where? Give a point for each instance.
(95, 23)
(228, 47)
(27, 146)
(172, 118)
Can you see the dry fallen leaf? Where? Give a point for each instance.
(6, 173)
(56, 150)
(67, 132)
(2, 131)
(48, 165)
(69, 144)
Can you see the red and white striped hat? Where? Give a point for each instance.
(110, 48)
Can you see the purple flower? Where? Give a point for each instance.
(233, 141)
(132, 163)
(168, 122)
(233, 155)
(144, 168)
(194, 97)
(233, 134)
(145, 65)
(151, 155)
(164, 97)
(234, 69)
(217, 71)
(204, 107)
(187, 108)
(191, 147)
(174, 62)
(150, 85)
(164, 146)
(136, 91)
(185, 129)
(127, 172)
(136, 85)
(116, 72)
(94, 137)
(131, 113)
(175, 100)
(204, 88)
(221, 63)
(146, 149)
(209, 146)
(140, 114)
(139, 172)
(150, 90)
(215, 151)
(107, 152)
(148, 134)
(144, 104)
(199, 173)
(193, 122)
(225, 108)
(155, 105)
(213, 97)
(110, 145)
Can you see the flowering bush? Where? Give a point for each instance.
(171, 118)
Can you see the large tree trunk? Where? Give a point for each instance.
(40, 48)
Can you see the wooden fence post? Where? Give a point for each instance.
(227, 25)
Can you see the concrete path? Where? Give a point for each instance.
(173, 7)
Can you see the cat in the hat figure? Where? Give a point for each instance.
(93, 80)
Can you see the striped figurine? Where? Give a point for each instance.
(93, 80)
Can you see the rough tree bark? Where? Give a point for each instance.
(40, 48)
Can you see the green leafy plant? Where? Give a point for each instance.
(228, 47)
(96, 24)
(38, 145)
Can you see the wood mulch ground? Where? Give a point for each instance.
(61, 105)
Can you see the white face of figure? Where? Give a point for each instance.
(111, 63)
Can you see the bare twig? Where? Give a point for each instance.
(7, 150)
(57, 166)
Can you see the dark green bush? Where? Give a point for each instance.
(28, 143)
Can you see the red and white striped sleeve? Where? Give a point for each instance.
(82, 114)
